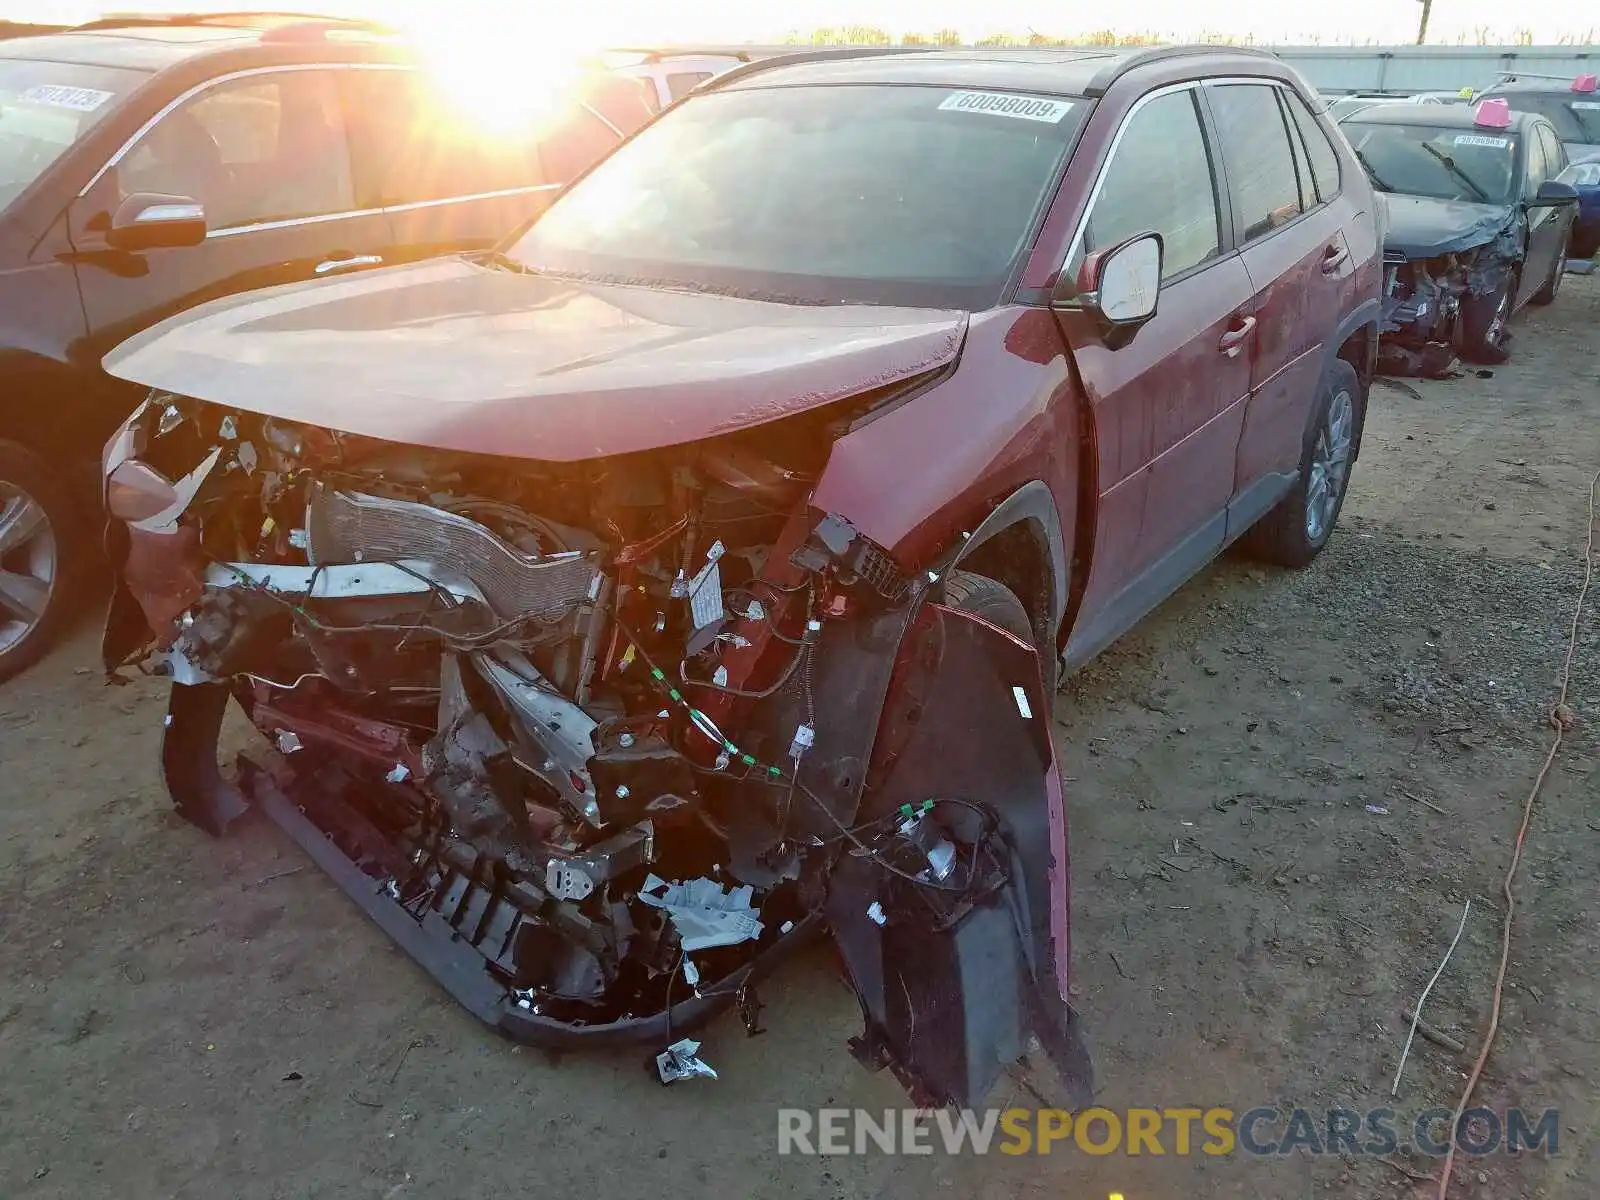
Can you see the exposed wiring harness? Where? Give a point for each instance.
(1561, 719)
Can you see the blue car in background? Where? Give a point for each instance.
(1573, 107)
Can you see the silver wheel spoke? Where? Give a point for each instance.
(21, 518)
(23, 597)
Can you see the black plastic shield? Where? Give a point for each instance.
(949, 1004)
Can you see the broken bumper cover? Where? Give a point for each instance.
(318, 820)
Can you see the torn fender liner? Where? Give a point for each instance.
(953, 979)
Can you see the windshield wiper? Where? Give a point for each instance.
(1377, 180)
(1450, 165)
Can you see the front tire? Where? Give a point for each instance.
(1585, 244)
(1486, 324)
(991, 601)
(42, 551)
(1294, 532)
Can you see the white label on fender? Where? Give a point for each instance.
(1477, 139)
(1002, 104)
(1023, 706)
(55, 95)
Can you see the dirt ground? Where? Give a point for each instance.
(187, 1018)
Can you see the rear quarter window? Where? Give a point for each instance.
(1324, 159)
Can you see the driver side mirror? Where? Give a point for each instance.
(145, 221)
(1552, 194)
(1120, 287)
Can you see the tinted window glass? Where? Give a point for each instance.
(1447, 164)
(1159, 179)
(411, 144)
(1255, 146)
(1538, 166)
(1324, 162)
(45, 107)
(1555, 153)
(1576, 119)
(859, 194)
(577, 139)
(257, 149)
(681, 83)
(1302, 168)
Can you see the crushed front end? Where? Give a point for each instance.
(1428, 303)
(600, 743)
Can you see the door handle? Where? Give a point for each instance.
(330, 265)
(1333, 258)
(1230, 342)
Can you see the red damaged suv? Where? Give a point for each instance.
(693, 573)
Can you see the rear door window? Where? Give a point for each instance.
(1260, 163)
(1159, 179)
(253, 150)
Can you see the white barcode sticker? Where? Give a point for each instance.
(1477, 139)
(55, 95)
(1003, 104)
(705, 596)
(1586, 105)
(1023, 706)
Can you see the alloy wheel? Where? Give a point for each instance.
(29, 564)
(1330, 465)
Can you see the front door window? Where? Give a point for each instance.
(253, 150)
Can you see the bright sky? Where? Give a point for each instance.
(633, 21)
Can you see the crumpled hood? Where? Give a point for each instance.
(1422, 227)
(458, 355)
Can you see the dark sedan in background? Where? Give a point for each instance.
(1477, 226)
(148, 164)
(1574, 111)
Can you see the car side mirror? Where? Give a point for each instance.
(1120, 287)
(1553, 193)
(146, 221)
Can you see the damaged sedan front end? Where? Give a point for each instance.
(600, 742)
(1475, 228)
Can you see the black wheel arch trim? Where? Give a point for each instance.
(1032, 503)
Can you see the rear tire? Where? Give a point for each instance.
(43, 550)
(1298, 526)
(991, 601)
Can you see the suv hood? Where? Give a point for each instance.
(459, 355)
(1424, 227)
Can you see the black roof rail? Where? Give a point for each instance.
(243, 19)
(1104, 78)
(816, 54)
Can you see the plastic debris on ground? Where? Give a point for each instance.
(1580, 266)
(681, 1061)
(703, 913)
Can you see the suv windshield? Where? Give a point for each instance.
(1576, 118)
(44, 108)
(1446, 164)
(861, 194)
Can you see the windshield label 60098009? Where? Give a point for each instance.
(999, 104)
(55, 95)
